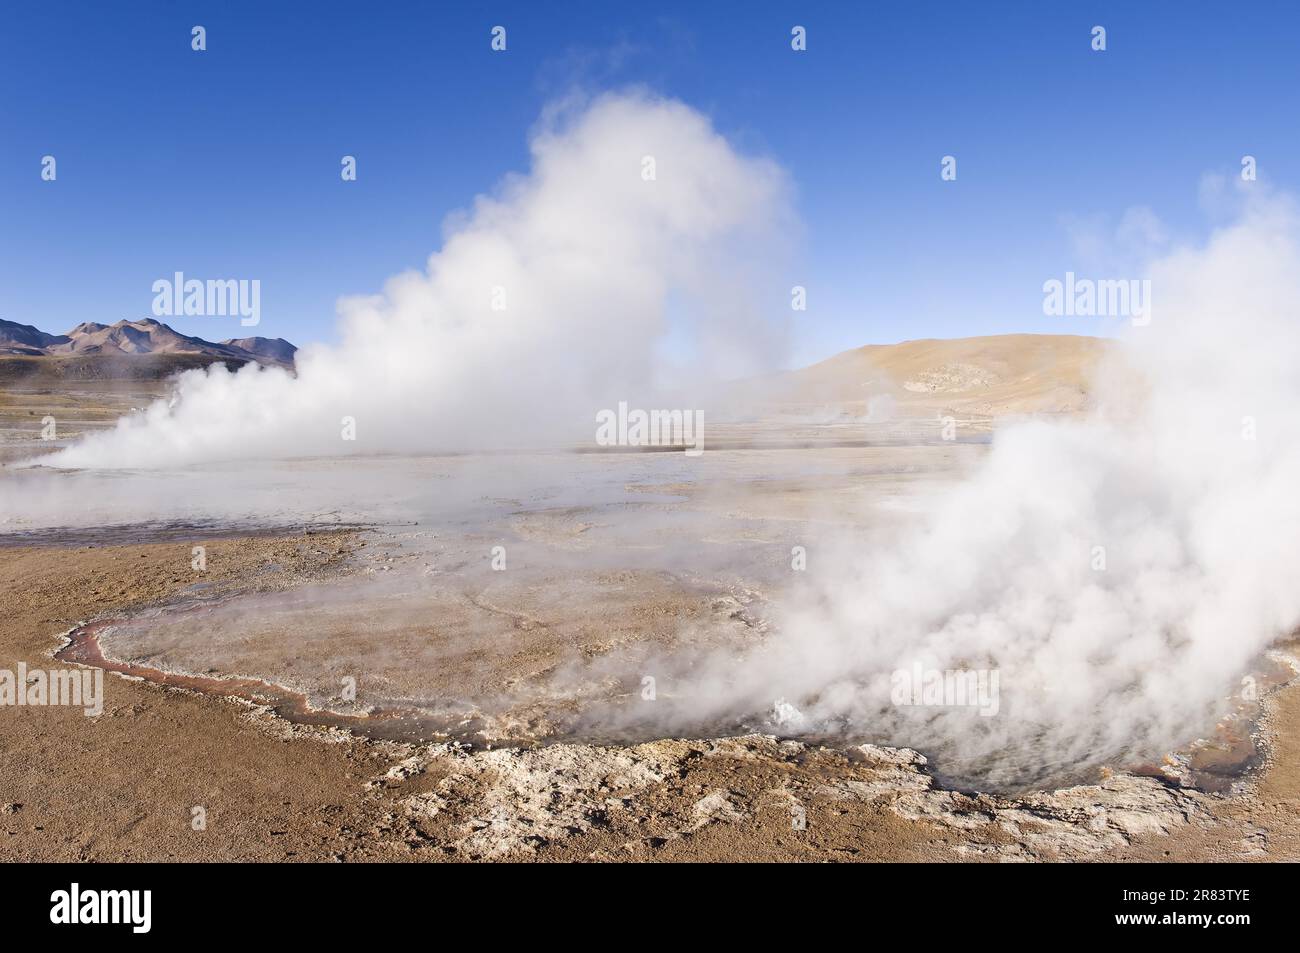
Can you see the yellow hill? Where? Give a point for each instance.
(986, 376)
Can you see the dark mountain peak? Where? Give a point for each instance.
(139, 336)
(23, 338)
(274, 349)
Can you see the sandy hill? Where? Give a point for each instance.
(987, 376)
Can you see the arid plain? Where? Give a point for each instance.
(351, 677)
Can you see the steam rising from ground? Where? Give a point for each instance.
(1184, 486)
(551, 300)
(1186, 483)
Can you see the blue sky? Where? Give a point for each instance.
(226, 163)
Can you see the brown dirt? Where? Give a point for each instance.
(122, 786)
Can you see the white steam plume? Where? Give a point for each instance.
(1197, 520)
(595, 262)
(1199, 524)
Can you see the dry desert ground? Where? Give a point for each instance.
(350, 679)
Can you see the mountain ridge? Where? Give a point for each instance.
(140, 337)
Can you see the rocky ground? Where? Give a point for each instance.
(125, 785)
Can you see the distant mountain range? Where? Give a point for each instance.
(146, 336)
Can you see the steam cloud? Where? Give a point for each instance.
(1186, 476)
(601, 270)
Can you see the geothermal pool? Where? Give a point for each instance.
(531, 598)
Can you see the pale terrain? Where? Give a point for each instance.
(498, 714)
(983, 377)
